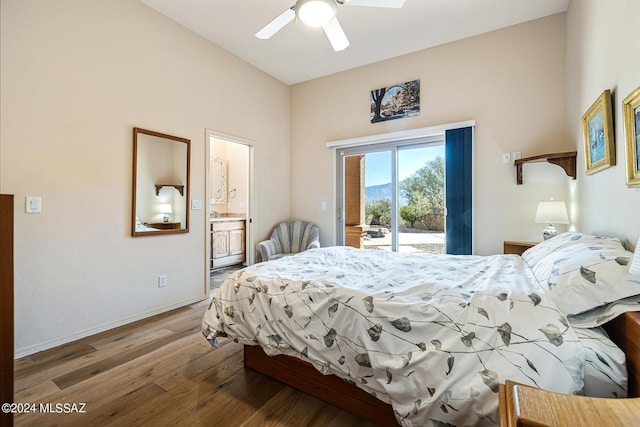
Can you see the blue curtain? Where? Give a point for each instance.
(458, 190)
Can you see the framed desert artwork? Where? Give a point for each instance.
(631, 114)
(395, 102)
(597, 128)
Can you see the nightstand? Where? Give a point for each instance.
(164, 225)
(522, 405)
(513, 247)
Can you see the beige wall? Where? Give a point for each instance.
(511, 82)
(602, 53)
(76, 77)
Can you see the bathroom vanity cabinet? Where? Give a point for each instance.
(227, 241)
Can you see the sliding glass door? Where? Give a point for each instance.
(392, 196)
(410, 196)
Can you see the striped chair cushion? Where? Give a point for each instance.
(290, 238)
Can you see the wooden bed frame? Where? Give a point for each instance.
(624, 331)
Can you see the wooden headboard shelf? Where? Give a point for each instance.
(567, 161)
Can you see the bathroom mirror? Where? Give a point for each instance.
(160, 183)
(218, 181)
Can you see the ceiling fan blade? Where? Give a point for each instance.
(336, 36)
(375, 3)
(276, 25)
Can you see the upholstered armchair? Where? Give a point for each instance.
(289, 238)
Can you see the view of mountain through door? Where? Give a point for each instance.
(394, 198)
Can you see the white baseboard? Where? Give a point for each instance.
(45, 345)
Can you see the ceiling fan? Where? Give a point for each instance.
(322, 13)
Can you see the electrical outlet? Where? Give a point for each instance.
(506, 157)
(162, 280)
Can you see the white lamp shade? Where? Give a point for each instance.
(165, 208)
(316, 13)
(552, 212)
(634, 268)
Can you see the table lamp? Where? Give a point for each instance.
(165, 210)
(551, 212)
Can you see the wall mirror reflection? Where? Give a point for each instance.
(160, 183)
(218, 181)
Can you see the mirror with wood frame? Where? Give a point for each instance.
(160, 183)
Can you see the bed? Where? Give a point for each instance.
(418, 339)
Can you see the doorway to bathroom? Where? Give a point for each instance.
(229, 202)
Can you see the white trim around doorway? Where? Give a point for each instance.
(251, 208)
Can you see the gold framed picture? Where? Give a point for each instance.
(631, 114)
(597, 128)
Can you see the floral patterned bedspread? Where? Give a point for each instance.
(433, 335)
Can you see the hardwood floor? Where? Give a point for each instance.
(161, 371)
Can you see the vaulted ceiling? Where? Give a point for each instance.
(299, 53)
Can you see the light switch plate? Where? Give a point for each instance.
(33, 205)
(196, 204)
(162, 280)
(506, 157)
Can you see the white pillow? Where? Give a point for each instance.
(583, 273)
(533, 255)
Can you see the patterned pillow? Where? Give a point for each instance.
(535, 254)
(601, 315)
(581, 272)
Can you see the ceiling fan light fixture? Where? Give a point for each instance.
(316, 13)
